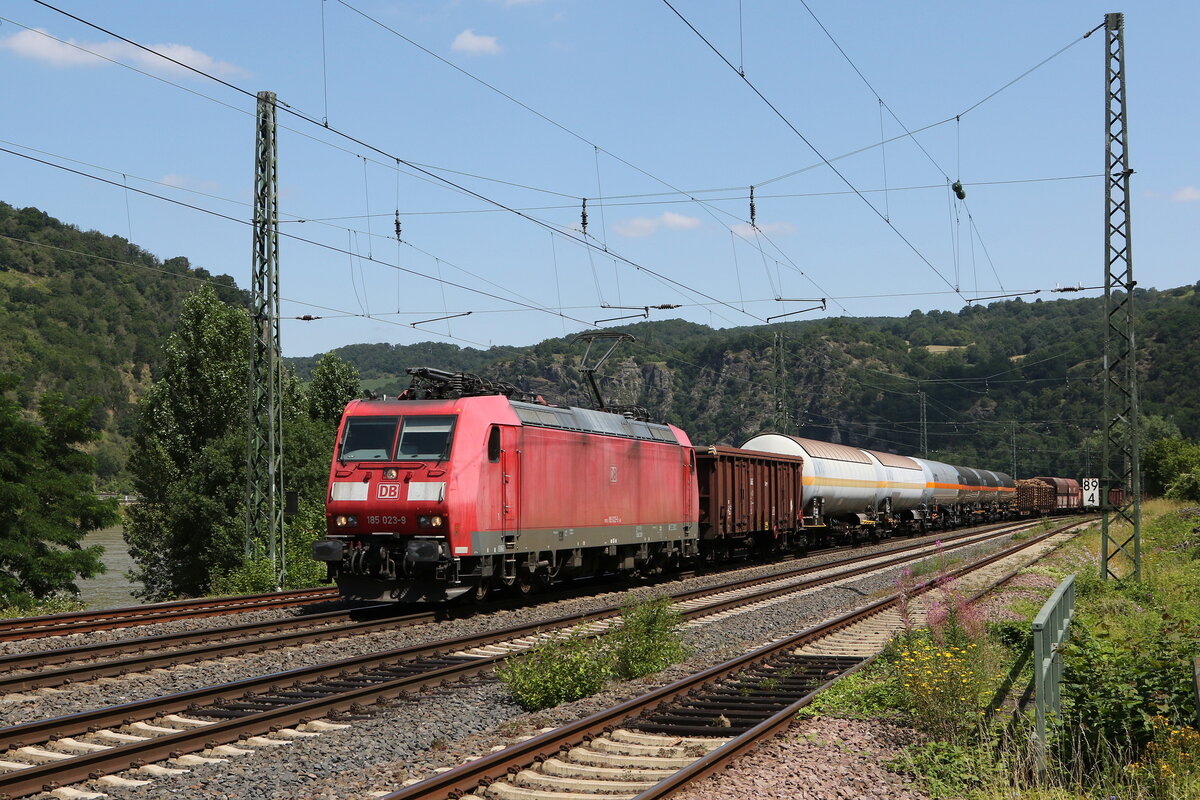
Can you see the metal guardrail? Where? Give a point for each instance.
(1051, 627)
(1196, 686)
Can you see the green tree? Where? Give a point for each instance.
(334, 384)
(1165, 461)
(47, 498)
(189, 455)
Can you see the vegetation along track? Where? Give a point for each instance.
(230, 712)
(103, 620)
(649, 747)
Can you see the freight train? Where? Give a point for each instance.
(462, 485)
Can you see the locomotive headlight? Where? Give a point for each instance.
(430, 521)
(344, 521)
(390, 473)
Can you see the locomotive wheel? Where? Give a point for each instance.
(482, 591)
(526, 584)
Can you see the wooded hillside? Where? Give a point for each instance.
(87, 314)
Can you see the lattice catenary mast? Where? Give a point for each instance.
(1121, 467)
(264, 474)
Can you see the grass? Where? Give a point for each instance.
(58, 604)
(1126, 729)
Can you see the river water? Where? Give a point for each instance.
(111, 589)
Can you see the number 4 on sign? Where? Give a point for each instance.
(1091, 492)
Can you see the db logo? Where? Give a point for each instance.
(389, 491)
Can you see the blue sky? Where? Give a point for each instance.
(495, 106)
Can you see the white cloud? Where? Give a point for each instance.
(470, 42)
(38, 45)
(1187, 194)
(744, 230)
(678, 222)
(639, 227)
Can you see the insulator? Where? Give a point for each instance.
(753, 220)
(583, 217)
(397, 223)
(959, 191)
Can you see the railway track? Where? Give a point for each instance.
(651, 746)
(108, 619)
(28, 671)
(46, 754)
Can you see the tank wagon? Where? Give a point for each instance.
(463, 485)
(847, 488)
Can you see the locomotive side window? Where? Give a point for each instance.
(425, 439)
(494, 445)
(369, 438)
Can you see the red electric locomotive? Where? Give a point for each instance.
(456, 489)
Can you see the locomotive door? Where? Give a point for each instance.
(510, 484)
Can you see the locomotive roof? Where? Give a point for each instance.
(584, 419)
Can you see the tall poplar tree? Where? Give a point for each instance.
(189, 454)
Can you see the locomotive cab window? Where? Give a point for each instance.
(425, 439)
(493, 446)
(368, 438)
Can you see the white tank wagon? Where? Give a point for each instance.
(839, 481)
(848, 487)
(901, 488)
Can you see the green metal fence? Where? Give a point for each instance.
(1051, 627)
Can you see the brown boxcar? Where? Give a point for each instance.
(749, 500)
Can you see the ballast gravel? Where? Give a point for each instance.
(817, 759)
(437, 729)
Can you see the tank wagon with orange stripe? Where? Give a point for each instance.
(848, 488)
(464, 485)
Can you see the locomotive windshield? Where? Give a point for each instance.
(373, 438)
(425, 439)
(369, 438)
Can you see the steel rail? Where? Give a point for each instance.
(78, 723)
(107, 619)
(482, 772)
(144, 661)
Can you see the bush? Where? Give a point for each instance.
(942, 685)
(648, 639)
(565, 668)
(301, 569)
(558, 670)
